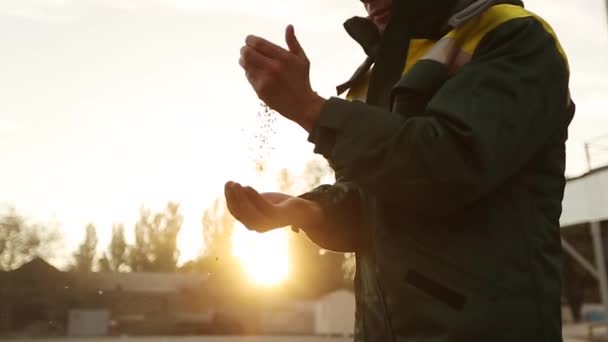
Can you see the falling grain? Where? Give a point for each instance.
(261, 135)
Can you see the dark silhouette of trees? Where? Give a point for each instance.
(218, 226)
(116, 258)
(155, 248)
(22, 241)
(84, 257)
(217, 259)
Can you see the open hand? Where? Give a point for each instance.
(263, 212)
(281, 78)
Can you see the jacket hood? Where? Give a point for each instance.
(411, 19)
(421, 18)
(430, 19)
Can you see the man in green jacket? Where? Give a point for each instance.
(449, 154)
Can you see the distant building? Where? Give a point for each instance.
(330, 315)
(143, 303)
(586, 199)
(35, 299)
(585, 207)
(38, 300)
(88, 323)
(287, 316)
(335, 314)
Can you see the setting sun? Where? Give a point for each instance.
(265, 257)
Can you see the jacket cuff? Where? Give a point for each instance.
(346, 129)
(331, 119)
(340, 202)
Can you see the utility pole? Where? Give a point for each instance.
(588, 154)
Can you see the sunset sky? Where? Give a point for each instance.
(107, 105)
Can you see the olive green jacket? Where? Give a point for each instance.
(449, 156)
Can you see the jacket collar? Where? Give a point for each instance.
(436, 25)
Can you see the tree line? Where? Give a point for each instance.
(154, 247)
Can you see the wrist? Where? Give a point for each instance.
(314, 219)
(311, 114)
(317, 215)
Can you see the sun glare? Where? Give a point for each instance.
(265, 257)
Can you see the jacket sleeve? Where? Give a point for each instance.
(342, 207)
(482, 126)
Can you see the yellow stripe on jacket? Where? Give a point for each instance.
(457, 47)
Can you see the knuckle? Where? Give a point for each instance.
(278, 67)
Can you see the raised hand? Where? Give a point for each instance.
(281, 78)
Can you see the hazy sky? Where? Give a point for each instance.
(106, 105)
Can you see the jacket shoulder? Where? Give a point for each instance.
(500, 18)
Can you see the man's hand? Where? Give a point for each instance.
(268, 211)
(281, 78)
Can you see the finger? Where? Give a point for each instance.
(231, 201)
(227, 194)
(253, 75)
(268, 49)
(251, 58)
(292, 42)
(249, 214)
(238, 206)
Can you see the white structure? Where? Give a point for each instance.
(335, 314)
(586, 202)
(586, 199)
(89, 323)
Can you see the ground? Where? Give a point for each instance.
(204, 339)
(579, 332)
(572, 333)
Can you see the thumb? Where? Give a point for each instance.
(292, 42)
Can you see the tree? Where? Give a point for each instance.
(115, 259)
(167, 226)
(139, 253)
(21, 241)
(218, 226)
(218, 259)
(104, 263)
(155, 248)
(84, 257)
